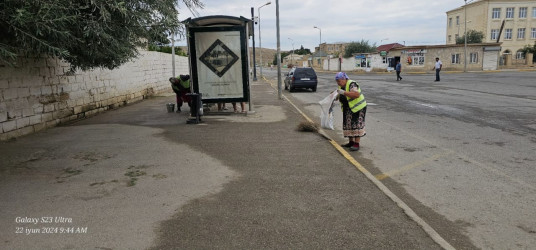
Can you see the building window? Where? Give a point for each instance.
(456, 37)
(417, 60)
(455, 58)
(533, 33)
(457, 20)
(496, 13)
(450, 22)
(520, 55)
(508, 34)
(523, 12)
(494, 34)
(521, 33)
(534, 12)
(473, 58)
(509, 12)
(450, 38)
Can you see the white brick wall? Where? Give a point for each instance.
(37, 94)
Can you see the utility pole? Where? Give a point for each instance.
(292, 54)
(465, 35)
(173, 53)
(279, 90)
(260, 46)
(319, 41)
(253, 34)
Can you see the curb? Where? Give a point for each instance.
(401, 204)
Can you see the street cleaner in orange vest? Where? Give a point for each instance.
(181, 87)
(354, 109)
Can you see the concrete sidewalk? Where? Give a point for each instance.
(139, 177)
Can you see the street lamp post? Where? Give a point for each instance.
(173, 53)
(292, 54)
(260, 46)
(278, 31)
(385, 39)
(253, 41)
(465, 37)
(319, 41)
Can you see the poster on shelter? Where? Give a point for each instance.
(219, 65)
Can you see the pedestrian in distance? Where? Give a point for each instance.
(354, 109)
(437, 67)
(181, 87)
(398, 69)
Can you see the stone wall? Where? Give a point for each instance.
(41, 93)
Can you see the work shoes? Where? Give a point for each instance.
(354, 147)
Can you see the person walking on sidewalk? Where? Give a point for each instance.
(437, 67)
(181, 87)
(354, 109)
(398, 68)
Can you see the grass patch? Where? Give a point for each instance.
(97, 183)
(135, 173)
(159, 176)
(72, 171)
(132, 182)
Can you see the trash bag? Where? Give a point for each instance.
(326, 110)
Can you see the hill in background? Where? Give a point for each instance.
(267, 54)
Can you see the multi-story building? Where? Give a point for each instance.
(488, 16)
(334, 49)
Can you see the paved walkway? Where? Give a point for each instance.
(139, 177)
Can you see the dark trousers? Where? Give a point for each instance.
(398, 75)
(437, 74)
(182, 97)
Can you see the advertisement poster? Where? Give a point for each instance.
(219, 67)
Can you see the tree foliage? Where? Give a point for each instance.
(530, 49)
(473, 36)
(302, 51)
(283, 55)
(359, 47)
(86, 33)
(166, 49)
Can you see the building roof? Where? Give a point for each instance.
(445, 46)
(387, 47)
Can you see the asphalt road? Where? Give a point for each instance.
(460, 152)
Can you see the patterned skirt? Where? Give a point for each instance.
(353, 124)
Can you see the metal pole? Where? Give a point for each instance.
(465, 35)
(319, 41)
(260, 47)
(253, 35)
(279, 89)
(292, 53)
(173, 53)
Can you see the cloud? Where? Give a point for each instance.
(411, 21)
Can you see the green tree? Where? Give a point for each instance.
(166, 49)
(302, 51)
(283, 55)
(86, 33)
(530, 49)
(359, 47)
(473, 36)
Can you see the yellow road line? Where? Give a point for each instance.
(411, 166)
(407, 210)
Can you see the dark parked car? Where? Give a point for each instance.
(301, 78)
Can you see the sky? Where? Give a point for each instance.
(408, 22)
